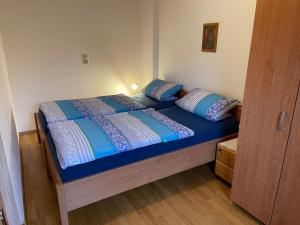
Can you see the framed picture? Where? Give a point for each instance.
(210, 37)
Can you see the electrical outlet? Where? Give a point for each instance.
(85, 58)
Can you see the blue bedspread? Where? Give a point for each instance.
(84, 140)
(203, 129)
(140, 98)
(57, 111)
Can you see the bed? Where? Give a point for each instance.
(91, 182)
(204, 131)
(141, 98)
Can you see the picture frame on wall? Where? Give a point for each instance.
(210, 37)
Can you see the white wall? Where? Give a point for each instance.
(10, 186)
(43, 42)
(180, 32)
(146, 26)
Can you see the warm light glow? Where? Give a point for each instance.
(134, 86)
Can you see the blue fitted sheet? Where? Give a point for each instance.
(141, 98)
(152, 103)
(204, 131)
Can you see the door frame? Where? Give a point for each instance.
(6, 192)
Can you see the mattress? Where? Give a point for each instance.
(141, 98)
(204, 131)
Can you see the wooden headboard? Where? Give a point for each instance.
(182, 93)
(236, 111)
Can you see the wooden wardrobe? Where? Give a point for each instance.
(266, 179)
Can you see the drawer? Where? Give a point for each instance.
(226, 156)
(223, 171)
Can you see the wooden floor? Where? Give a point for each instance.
(191, 197)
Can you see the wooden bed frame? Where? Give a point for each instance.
(78, 193)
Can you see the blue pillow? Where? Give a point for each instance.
(162, 90)
(208, 105)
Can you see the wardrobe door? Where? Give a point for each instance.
(269, 100)
(287, 208)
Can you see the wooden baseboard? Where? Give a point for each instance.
(27, 132)
(22, 178)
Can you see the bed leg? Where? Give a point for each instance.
(62, 205)
(37, 128)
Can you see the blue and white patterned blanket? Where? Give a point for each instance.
(57, 111)
(84, 140)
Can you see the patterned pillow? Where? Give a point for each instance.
(208, 105)
(162, 90)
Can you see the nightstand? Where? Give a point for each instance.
(225, 159)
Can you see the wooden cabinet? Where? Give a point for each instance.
(268, 108)
(225, 159)
(224, 171)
